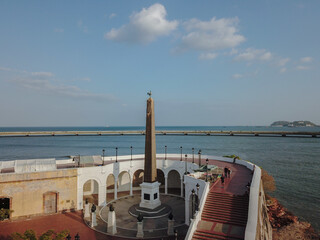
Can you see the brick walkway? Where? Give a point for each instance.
(226, 208)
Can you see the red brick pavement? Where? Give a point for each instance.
(71, 221)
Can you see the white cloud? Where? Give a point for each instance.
(237, 76)
(207, 56)
(283, 70)
(59, 30)
(82, 27)
(43, 83)
(252, 54)
(112, 15)
(283, 61)
(42, 74)
(86, 79)
(144, 26)
(306, 59)
(300, 67)
(215, 34)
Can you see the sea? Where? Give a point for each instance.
(292, 161)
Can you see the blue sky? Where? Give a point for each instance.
(91, 63)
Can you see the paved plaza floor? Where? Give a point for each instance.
(153, 227)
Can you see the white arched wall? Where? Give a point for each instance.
(124, 181)
(100, 173)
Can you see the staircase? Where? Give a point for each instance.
(224, 217)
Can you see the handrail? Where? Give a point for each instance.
(197, 216)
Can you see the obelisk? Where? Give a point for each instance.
(150, 187)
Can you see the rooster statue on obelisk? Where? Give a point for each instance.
(150, 197)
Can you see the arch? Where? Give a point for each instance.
(160, 179)
(91, 191)
(124, 182)
(138, 178)
(110, 187)
(174, 182)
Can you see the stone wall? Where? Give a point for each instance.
(28, 191)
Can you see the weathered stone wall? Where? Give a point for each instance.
(26, 190)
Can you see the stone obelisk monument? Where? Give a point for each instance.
(150, 197)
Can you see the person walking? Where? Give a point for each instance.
(225, 171)
(222, 179)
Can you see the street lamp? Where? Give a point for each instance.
(116, 154)
(199, 153)
(181, 153)
(186, 167)
(192, 205)
(192, 155)
(103, 156)
(197, 205)
(165, 152)
(207, 161)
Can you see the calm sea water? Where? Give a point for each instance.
(293, 162)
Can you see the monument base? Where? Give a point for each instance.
(150, 196)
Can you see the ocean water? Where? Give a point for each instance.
(292, 161)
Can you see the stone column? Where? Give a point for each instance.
(112, 227)
(86, 210)
(181, 186)
(102, 195)
(165, 184)
(131, 192)
(187, 220)
(115, 189)
(170, 227)
(93, 216)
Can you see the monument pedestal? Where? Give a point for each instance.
(112, 227)
(87, 210)
(150, 197)
(93, 220)
(140, 230)
(170, 227)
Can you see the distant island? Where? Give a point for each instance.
(293, 124)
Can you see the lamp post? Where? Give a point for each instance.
(131, 152)
(197, 203)
(181, 153)
(186, 166)
(199, 153)
(116, 154)
(103, 156)
(192, 204)
(207, 161)
(192, 155)
(165, 152)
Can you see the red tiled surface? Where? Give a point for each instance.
(226, 205)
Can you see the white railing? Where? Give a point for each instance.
(197, 216)
(251, 227)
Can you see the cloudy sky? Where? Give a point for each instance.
(212, 63)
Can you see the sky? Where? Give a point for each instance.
(207, 63)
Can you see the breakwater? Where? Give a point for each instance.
(170, 132)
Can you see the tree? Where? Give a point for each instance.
(5, 213)
(48, 235)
